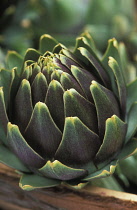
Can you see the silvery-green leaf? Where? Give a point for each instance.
(57, 170)
(32, 181)
(105, 103)
(10, 159)
(3, 118)
(23, 105)
(115, 132)
(42, 133)
(21, 148)
(79, 144)
(47, 43)
(76, 105)
(39, 88)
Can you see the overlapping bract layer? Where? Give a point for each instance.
(63, 114)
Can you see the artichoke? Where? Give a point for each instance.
(66, 117)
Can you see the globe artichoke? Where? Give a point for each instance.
(66, 117)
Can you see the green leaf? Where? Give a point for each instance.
(68, 62)
(97, 64)
(6, 81)
(79, 144)
(10, 159)
(71, 56)
(32, 181)
(109, 182)
(120, 83)
(113, 140)
(57, 170)
(3, 118)
(82, 42)
(89, 40)
(48, 72)
(35, 70)
(39, 88)
(105, 103)
(42, 133)
(128, 149)
(14, 60)
(132, 122)
(27, 72)
(58, 48)
(74, 184)
(57, 62)
(76, 105)
(128, 168)
(56, 75)
(131, 94)
(125, 63)
(112, 50)
(103, 172)
(54, 101)
(23, 105)
(68, 82)
(84, 78)
(21, 148)
(31, 54)
(47, 43)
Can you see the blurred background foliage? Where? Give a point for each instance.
(23, 22)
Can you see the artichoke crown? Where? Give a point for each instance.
(66, 116)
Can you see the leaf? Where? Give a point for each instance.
(3, 118)
(67, 61)
(42, 133)
(6, 81)
(57, 170)
(103, 172)
(21, 148)
(120, 83)
(128, 167)
(32, 181)
(60, 65)
(54, 101)
(14, 60)
(82, 42)
(47, 43)
(23, 105)
(132, 122)
(89, 40)
(35, 70)
(76, 105)
(10, 159)
(56, 75)
(69, 82)
(112, 50)
(57, 49)
(131, 94)
(31, 54)
(100, 71)
(79, 144)
(84, 78)
(105, 103)
(128, 149)
(39, 88)
(71, 56)
(113, 140)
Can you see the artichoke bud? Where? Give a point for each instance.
(64, 115)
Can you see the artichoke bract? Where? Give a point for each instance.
(66, 117)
